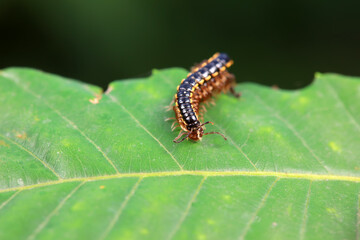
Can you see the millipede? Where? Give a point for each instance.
(206, 80)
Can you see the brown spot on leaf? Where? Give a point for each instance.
(22, 135)
(96, 100)
(3, 143)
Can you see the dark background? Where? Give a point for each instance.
(272, 42)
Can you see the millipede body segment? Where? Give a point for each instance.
(207, 79)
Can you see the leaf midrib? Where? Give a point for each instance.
(309, 176)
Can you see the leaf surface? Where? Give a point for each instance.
(79, 164)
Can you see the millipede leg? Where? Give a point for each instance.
(233, 92)
(170, 106)
(216, 133)
(174, 126)
(181, 134)
(171, 118)
(202, 111)
(172, 129)
(201, 116)
(203, 108)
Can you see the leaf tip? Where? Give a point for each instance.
(155, 71)
(318, 75)
(109, 89)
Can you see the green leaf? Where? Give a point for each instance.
(79, 164)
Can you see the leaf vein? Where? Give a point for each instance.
(261, 204)
(236, 146)
(293, 130)
(187, 210)
(33, 155)
(346, 110)
(305, 216)
(9, 199)
(116, 101)
(15, 79)
(52, 213)
(121, 209)
(358, 219)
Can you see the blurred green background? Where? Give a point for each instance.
(272, 42)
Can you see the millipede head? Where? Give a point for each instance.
(196, 134)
